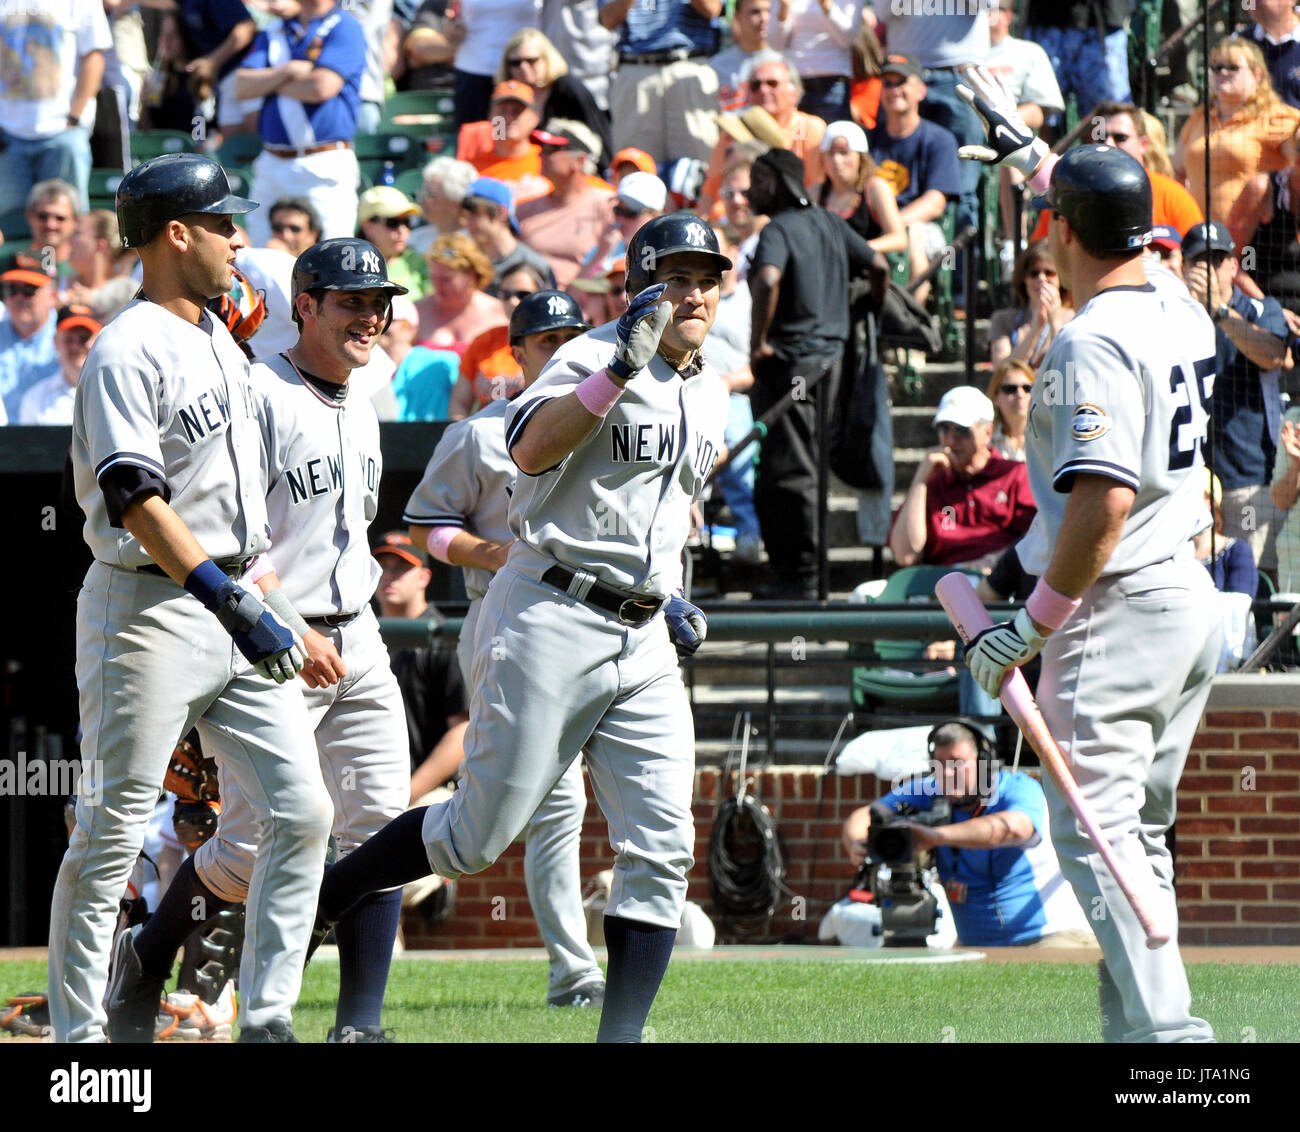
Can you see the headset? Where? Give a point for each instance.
(988, 764)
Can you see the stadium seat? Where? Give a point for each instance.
(404, 151)
(14, 225)
(424, 105)
(895, 679)
(152, 143)
(241, 180)
(411, 182)
(240, 150)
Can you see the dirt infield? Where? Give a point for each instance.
(1258, 956)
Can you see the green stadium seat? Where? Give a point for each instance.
(240, 150)
(422, 104)
(14, 226)
(241, 180)
(153, 143)
(404, 151)
(411, 181)
(103, 184)
(888, 681)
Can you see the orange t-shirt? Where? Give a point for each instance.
(1246, 144)
(490, 367)
(1171, 204)
(804, 137)
(864, 101)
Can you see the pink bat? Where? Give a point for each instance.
(970, 618)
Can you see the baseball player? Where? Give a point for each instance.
(322, 461)
(615, 441)
(167, 468)
(1115, 446)
(459, 510)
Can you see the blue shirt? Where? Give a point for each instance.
(1000, 897)
(665, 25)
(1246, 406)
(342, 49)
(24, 362)
(925, 159)
(423, 383)
(206, 23)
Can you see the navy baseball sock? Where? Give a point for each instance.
(365, 937)
(393, 857)
(187, 904)
(638, 958)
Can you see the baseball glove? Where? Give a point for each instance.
(26, 1014)
(191, 775)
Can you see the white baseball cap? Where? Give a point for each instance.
(851, 132)
(964, 406)
(643, 191)
(404, 310)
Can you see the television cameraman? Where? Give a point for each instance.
(994, 857)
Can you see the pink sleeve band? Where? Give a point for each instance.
(439, 540)
(262, 565)
(1049, 608)
(598, 392)
(1041, 179)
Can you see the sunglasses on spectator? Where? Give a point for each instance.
(283, 227)
(625, 213)
(1118, 139)
(893, 81)
(19, 290)
(530, 59)
(396, 222)
(517, 294)
(1218, 68)
(55, 217)
(759, 84)
(732, 194)
(1011, 387)
(961, 431)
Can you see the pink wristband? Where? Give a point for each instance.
(1049, 608)
(262, 565)
(1041, 179)
(598, 392)
(439, 540)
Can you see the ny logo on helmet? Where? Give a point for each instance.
(556, 305)
(695, 235)
(370, 263)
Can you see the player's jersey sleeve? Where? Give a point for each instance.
(1098, 414)
(117, 411)
(570, 365)
(447, 494)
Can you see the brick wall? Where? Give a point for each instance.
(1238, 836)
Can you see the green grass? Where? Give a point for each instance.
(786, 1001)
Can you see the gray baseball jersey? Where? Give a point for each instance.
(323, 464)
(173, 399)
(619, 505)
(1124, 392)
(467, 485)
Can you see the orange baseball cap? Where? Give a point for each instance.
(513, 88)
(400, 544)
(638, 157)
(24, 266)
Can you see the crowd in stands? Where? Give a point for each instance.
(556, 128)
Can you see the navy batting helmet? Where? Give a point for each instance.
(545, 310)
(169, 187)
(665, 236)
(342, 264)
(1105, 194)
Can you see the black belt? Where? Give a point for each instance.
(231, 567)
(333, 620)
(633, 611)
(652, 58)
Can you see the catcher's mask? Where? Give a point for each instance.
(242, 308)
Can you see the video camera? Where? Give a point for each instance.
(894, 880)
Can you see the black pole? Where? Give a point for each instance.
(824, 393)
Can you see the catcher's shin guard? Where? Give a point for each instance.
(210, 955)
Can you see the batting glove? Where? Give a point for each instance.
(994, 652)
(266, 644)
(1010, 141)
(686, 625)
(639, 330)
